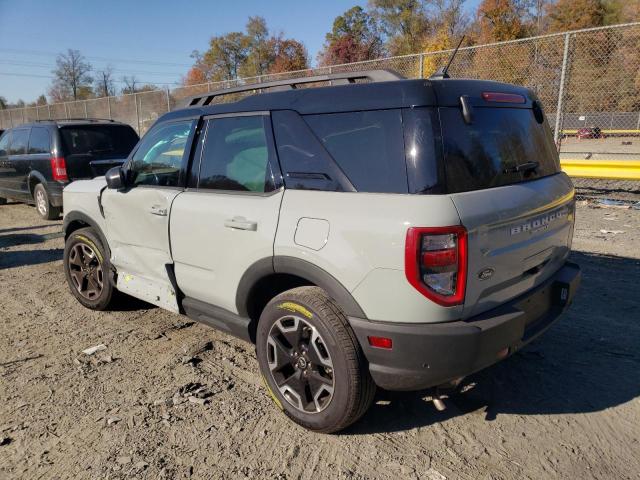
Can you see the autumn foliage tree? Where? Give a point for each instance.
(500, 20)
(289, 55)
(194, 76)
(354, 37)
(246, 54)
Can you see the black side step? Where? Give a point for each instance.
(218, 318)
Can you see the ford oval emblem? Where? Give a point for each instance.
(485, 274)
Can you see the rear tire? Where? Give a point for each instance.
(43, 205)
(311, 362)
(87, 269)
(3, 201)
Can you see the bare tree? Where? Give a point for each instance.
(130, 84)
(71, 75)
(105, 86)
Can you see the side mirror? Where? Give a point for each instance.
(115, 178)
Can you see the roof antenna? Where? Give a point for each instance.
(442, 71)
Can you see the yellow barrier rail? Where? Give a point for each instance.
(605, 169)
(605, 131)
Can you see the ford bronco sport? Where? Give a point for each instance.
(368, 231)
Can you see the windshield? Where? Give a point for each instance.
(106, 141)
(501, 146)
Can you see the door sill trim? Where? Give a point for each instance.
(218, 318)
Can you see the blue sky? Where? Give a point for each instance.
(150, 39)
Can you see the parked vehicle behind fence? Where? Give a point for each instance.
(38, 159)
(372, 232)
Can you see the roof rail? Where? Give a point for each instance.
(292, 83)
(75, 119)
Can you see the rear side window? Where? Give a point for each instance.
(19, 142)
(492, 149)
(368, 146)
(237, 155)
(306, 164)
(115, 141)
(39, 141)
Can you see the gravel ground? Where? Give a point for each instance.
(169, 398)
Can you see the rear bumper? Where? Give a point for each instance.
(426, 355)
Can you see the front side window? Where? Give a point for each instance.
(159, 158)
(19, 142)
(237, 155)
(39, 142)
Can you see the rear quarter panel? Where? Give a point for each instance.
(364, 247)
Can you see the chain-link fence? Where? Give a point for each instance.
(587, 80)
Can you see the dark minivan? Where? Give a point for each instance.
(38, 159)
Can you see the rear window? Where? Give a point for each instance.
(491, 151)
(115, 141)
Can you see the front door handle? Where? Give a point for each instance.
(241, 223)
(158, 210)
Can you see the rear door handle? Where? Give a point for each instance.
(158, 210)
(241, 223)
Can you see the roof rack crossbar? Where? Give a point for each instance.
(292, 83)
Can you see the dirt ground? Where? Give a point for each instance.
(567, 406)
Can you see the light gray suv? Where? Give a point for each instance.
(372, 231)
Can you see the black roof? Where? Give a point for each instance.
(362, 96)
(72, 122)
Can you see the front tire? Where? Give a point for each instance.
(87, 269)
(43, 205)
(311, 361)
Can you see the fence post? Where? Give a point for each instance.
(49, 111)
(109, 107)
(86, 114)
(66, 112)
(22, 111)
(135, 97)
(10, 118)
(421, 60)
(565, 59)
(37, 113)
(168, 100)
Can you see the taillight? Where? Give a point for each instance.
(59, 169)
(435, 262)
(503, 97)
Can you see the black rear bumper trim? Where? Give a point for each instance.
(426, 355)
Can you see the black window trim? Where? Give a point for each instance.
(182, 177)
(273, 165)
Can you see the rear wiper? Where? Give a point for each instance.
(522, 167)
